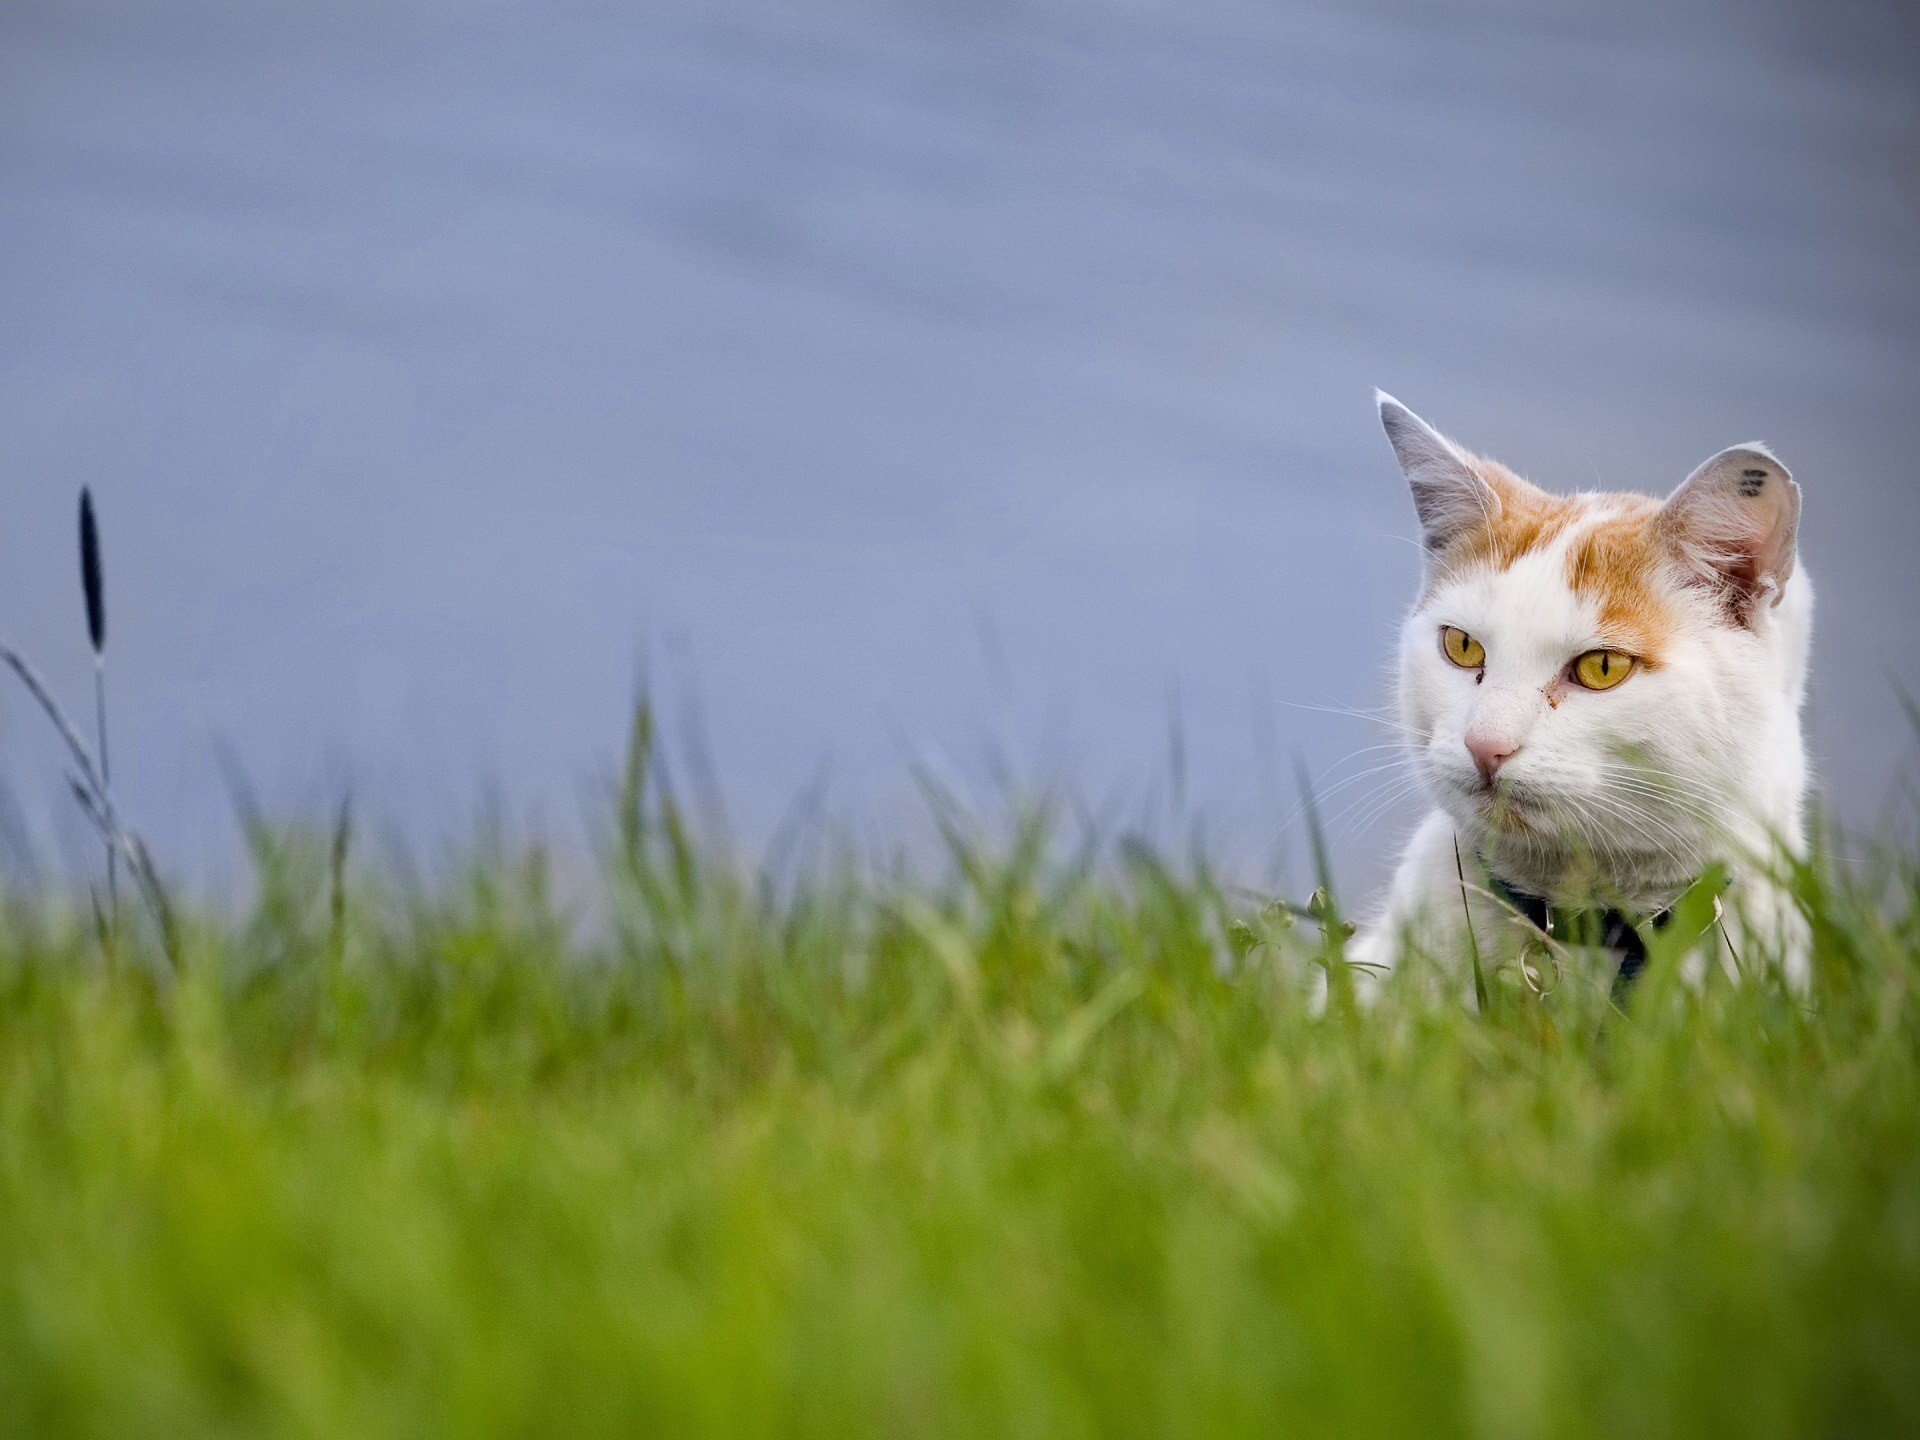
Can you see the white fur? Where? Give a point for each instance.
(1631, 792)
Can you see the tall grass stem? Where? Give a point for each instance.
(94, 588)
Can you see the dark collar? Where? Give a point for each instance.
(1609, 928)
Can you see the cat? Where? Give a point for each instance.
(1602, 696)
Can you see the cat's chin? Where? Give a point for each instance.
(1505, 811)
(1511, 821)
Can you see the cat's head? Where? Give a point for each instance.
(1605, 670)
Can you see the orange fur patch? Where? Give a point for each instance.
(1614, 564)
(1528, 517)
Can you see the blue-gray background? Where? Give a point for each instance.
(903, 373)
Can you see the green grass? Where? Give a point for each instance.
(1027, 1147)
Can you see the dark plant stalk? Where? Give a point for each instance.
(337, 857)
(96, 801)
(93, 584)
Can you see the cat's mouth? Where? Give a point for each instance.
(1508, 805)
(1508, 808)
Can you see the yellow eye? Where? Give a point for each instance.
(1461, 648)
(1602, 669)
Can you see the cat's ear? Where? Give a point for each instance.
(1449, 495)
(1732, 523)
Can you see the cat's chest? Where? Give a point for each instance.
(1636, 883)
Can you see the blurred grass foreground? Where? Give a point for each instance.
(1049, 1139)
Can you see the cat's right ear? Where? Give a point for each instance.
(1733, 522)
(1448, 493)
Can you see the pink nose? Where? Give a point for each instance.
(1489, 753)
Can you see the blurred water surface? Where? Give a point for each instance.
(899, 375)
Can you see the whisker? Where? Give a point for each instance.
(1369, 811)
(1350, 713)
(1344, 783)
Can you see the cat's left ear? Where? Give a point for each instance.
(1733, 523)
(1450, 495)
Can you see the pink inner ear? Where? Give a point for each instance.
(1734, 523)
(1773, 554)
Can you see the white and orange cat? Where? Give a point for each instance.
(1602, 692)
